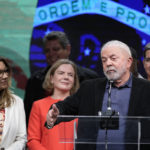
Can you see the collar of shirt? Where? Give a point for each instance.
(128, 84)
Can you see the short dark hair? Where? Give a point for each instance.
(134, 67)
(57, 35)
(147, 47)
(133, 53)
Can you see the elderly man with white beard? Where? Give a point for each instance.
(129, 96)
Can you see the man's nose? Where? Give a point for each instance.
(108, 62)
(50, 52)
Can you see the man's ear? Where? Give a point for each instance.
(130, 61)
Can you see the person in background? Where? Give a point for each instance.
(60, 82)
(134, 66)
(56, 46)
(12, 115)
(146, 61)
(129, 96)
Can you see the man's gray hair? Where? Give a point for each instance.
(120, 44)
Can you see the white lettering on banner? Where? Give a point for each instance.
(69, 8)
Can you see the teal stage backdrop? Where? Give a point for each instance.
(16, 23)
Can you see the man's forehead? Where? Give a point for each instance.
(53, 45)
(111, 51)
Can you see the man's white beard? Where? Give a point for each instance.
(116, 75)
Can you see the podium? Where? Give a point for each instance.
(87, 133)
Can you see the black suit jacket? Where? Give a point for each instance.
(88, 101)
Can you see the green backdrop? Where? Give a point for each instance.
(16, 21)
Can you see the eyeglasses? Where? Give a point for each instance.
(2, 72)
(147, 60)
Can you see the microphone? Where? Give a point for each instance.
(109, 95)
(109, 118)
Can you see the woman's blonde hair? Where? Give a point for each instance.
(6, 96)
(48, 86)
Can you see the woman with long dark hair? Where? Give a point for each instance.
(12, 114)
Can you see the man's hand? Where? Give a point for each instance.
(52, 115)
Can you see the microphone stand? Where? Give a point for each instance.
(109, 96)
(107, 122)
(108, 109)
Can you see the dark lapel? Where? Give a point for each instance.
(131, 127)
(135, 91)
(99, 94)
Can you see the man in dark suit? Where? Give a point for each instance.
(56, 46)
(129, 96)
